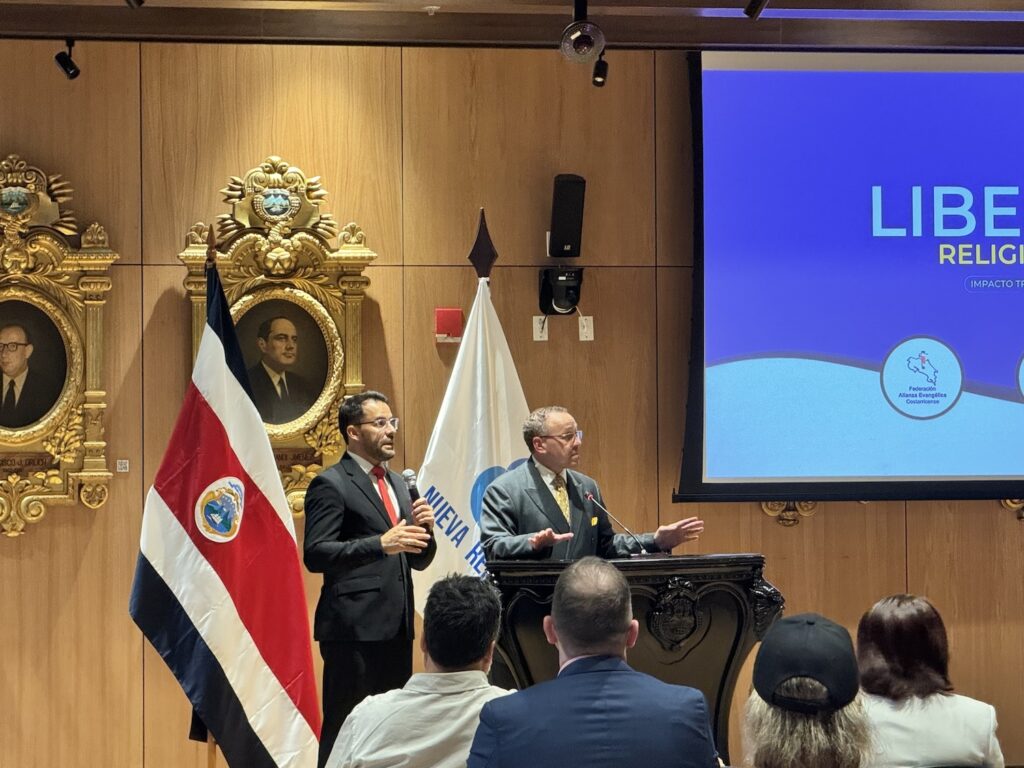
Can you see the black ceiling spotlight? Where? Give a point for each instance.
(135, 3)
(600, 71)
(582, 41)
(754, 8)
(66, 63)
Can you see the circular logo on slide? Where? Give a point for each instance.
(922, 378)
(1020, 375)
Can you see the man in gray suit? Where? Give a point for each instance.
(544, 510)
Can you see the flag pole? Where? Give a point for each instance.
(211, 263)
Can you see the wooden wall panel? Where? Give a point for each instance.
(413, 142)
(674, 286)
(215, 111)
(72, 688)
(674, 173)
(492, 128)
(608, 384)
(428, 365)
(383, 345)
(836, 563)
(965, 557)
(86, 129)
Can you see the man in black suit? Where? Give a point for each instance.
(24, 399)
(279, 393)
(364, 534)
(544, 510)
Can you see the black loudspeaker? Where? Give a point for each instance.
(567, 215)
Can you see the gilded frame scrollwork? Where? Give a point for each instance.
(276, 247)
(54, 283)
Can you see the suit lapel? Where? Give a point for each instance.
(544, 501)
(577, 507)
(361, 480)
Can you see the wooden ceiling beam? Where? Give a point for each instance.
(622, 27)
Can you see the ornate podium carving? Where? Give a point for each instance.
(54, 282)
(277, 263)
(699, 617)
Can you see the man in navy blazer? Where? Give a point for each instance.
(364, 534)
(599, 712)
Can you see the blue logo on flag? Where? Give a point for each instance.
(219, 509)
(484, 479)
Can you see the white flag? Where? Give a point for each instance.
(477, 437)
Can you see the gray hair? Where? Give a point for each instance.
(534, 425)
(779, 738)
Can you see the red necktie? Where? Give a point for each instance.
(378, 472)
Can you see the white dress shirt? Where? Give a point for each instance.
(936, 730)
(430, 723)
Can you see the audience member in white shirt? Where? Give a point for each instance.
(430, 722)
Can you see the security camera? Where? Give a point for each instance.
(560, 289)
(582, 41)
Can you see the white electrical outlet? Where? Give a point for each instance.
(540, 327)
(586, 328)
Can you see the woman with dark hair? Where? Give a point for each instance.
(917, 720)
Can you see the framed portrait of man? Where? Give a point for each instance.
(293, 355)
(33, 361)
(54, 281)
(295, 282)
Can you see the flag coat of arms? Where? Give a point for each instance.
(218, 587)
(477, 437)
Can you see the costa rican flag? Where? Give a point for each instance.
(218, 588)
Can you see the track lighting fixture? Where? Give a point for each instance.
(754, 8)
(582, 41)
(600, 71)
(66, 63)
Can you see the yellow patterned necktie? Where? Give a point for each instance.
(562, 497)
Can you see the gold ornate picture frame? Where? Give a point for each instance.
(54, 283)
(296, 300)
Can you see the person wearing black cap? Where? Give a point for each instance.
(805, 711)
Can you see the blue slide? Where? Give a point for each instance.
(863, 275)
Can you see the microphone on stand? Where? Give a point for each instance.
(410, 482)
(643, 550)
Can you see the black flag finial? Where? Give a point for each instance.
(211, 247)
(483, 255)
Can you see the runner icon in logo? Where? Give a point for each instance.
(922, 378)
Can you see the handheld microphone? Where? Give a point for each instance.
(643, 550)
(410, 482)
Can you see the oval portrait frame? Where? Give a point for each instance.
(74, 378)
(335, 355)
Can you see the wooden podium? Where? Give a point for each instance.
(699, 617)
